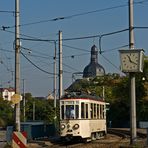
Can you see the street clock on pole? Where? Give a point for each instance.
(132, 60)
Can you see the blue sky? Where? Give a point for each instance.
(82, 18)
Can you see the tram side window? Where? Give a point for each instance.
(77, 111)
(101, 111)
(94, 110)
(98, 111)
(62, 111)
(82, 110)
(86, 105)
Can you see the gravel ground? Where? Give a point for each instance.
(2, 138)
(111, 141)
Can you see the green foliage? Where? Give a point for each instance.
(44, 109)
(6, 113)
(145, 71)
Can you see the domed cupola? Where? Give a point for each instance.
(93, 69)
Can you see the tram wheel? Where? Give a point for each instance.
(98, 136)
(93, 136)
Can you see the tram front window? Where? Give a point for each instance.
(70, 112)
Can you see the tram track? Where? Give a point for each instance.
(125, 133)
(114, 138)
(121, 133)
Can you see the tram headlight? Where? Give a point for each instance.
(75, 127)
(62, 126)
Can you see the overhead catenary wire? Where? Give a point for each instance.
(41, 55)
(112, 49)
(74, 69)
(7, 11)
(111, 63)
(108, 34)
(38, 40)
(75, 55)
(36, 65)
(84, 37)
(75, 48)
(41, 68)
(77, 38)
(74, 38)
(28, 36)
(46, 71)
(144, 27)
(73, 15)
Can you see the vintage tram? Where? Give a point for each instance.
(82, 116)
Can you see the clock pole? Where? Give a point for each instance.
(133, 131)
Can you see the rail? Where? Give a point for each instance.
(125, 133)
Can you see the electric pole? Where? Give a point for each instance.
(33, 115)
(17, 64)
(60, 66)
(24, 101)
(132, 79)
(55, 77)
(55, 88)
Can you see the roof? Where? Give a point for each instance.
(79, 95)
(93, 69)
(9, 89)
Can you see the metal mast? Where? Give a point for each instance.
(132, 79)
(55, 77)
(60, 66)
(17, 64)
(24, 101)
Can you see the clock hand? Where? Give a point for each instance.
(134, 62)
(131, 60)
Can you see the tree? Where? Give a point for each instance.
(44, 109)
(6, 113)
(142, 93)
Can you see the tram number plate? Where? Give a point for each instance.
(69, 102)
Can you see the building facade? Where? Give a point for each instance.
(7, 93)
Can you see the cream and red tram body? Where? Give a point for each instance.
(82, 116)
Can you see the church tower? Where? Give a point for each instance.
(93, 69)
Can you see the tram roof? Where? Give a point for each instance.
(79, 95)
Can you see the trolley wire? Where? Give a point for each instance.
(40, 53)
(74, 15)
(111, 63)
(108, 34)
(84, 37)
(71, 16)
(7, 11)
(35, 64)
